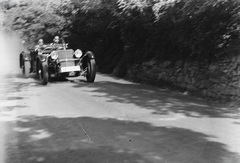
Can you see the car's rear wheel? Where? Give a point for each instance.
(91, 70)
(25, 68)
(43, 73)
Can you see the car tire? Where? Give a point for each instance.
(43, 73)
(91, 70)
(26, 68)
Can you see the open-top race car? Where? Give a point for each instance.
(53, 61)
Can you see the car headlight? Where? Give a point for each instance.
(78, 53)
(54, 55)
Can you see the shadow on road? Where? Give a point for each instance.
(95, 140)
(161, 101)
(11, 87)
(91, 140)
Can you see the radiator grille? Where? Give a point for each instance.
(65, 54)
(67, 64)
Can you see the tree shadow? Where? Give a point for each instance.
(15, 98)
(161, 101)
(37, 82)
(16, 83)
(11, 90)
(238, 123)
(10, 108)
(91, 140)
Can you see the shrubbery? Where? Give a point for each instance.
(126, 32)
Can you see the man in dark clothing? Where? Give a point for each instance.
(34, 54)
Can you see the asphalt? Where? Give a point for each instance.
(111, 121)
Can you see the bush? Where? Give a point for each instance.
(122, 33)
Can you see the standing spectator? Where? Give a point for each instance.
(34, 53)
(40, 45)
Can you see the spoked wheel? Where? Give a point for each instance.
(25, 68)
(43, 73)
(91, 70)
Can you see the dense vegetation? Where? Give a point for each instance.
(126, 32)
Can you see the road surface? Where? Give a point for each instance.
(111, 121)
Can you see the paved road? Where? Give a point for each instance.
(111, 121)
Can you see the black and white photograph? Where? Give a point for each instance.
(119, 81)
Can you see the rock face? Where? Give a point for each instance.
(219, 80)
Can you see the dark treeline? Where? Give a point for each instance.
(126, 32)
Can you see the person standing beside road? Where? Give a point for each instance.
(40, 45)
(33, 54)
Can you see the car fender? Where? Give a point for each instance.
(87, 56)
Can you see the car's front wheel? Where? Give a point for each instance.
(43, 72)
(91, 70)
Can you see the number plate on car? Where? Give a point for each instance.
(70, 69)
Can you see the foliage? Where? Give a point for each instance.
(127, 32)
(37, 19)
(198, 29)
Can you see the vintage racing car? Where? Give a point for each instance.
(53, 61)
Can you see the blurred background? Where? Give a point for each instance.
(10, 48)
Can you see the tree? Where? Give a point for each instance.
(38, 19)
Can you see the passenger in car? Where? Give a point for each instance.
(55, 40)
